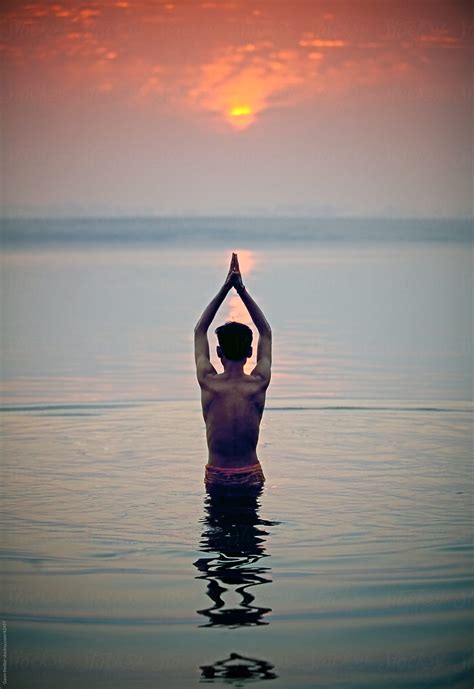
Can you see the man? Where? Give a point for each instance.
(233, 401)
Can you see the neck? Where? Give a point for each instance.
(233, 367)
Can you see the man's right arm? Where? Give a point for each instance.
(201, 343)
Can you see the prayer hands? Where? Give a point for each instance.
(234, 278)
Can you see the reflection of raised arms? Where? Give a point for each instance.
(264, 350)
(201, 344)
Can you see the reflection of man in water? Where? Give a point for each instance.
(237, 668)
(233, 539)
(232, 401)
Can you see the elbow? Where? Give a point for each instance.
(198, 329)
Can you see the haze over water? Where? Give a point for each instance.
(351, 570)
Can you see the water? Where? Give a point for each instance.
(352, 569)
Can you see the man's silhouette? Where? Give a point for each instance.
(233, 401)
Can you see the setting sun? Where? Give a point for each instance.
(241, 110)
(240, 116)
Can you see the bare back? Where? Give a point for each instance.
(232, 407)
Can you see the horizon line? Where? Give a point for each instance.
(234, 216)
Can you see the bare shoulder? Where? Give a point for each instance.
(262, 373)
(260, 379)
(206, 378)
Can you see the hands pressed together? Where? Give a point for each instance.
(234, 277)
(234, 280)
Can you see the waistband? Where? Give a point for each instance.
(237, 476)
(229, 471)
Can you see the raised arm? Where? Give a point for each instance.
(264, 349)
(201, 343)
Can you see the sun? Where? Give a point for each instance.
(240, 110)
(240, 116)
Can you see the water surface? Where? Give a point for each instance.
(353, 567)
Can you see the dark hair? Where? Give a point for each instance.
(235, 340)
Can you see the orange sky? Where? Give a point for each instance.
(220, 69)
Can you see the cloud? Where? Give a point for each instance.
(165, 54)
(439, 40)
(323, 43)
(153, 82)
(244, 80)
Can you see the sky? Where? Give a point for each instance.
(273, 107)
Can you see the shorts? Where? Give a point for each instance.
(234, 477)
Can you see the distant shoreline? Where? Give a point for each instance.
(240, 229)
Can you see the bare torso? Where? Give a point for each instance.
(232, 406)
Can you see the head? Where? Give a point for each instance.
(235, 341)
